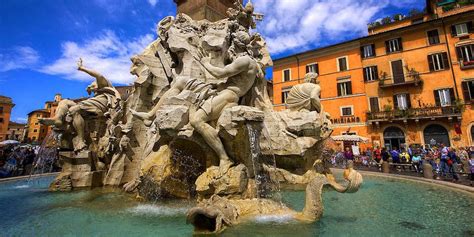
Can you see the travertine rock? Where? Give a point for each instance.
(233, 183)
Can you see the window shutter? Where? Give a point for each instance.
(349, 88)
(453, 31)
(445, 60)
(407, 96)
(373, 50)
(307, 69)
(362, 52)
(400, 44)
(387, 47)
(430, 62)
(470, 28)
(338, 89)
(374, 104)
(451, 94)
(395, 102)
(317, 68)
(437, 99)
(465, 91)
(459, 53)
(365, 74)
(376, 71)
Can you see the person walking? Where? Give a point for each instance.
(443, 162)
(348, 155)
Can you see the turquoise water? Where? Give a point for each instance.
(382, 207)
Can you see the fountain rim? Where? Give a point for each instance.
(26, 177)
(433, 182)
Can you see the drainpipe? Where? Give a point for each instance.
(450, 61)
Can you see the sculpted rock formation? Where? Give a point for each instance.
(199, 124)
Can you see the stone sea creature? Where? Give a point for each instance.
(216, 213)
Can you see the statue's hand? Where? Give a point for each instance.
(79, 64)
(206, 60)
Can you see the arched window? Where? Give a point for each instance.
(393, 137)
(436, 134)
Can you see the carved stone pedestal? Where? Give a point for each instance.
(77, 172)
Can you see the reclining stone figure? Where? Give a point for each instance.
(106, 97)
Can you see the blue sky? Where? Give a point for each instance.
(40, 40)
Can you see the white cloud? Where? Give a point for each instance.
(107, 53)
(290, 24)
(19, 57)
(153, 2)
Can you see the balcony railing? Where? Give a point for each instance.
(415, 113)
(411, 78)
(467, 64)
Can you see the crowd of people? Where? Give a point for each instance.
(16, 160)
(447, 162)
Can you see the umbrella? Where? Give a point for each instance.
(9, 142)
(350, 138)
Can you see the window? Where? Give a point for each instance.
(461, 29)
(1, 120)
(37, 115)
(284, 96)
(444, 97)
(438, 61)
(286, 75)
(374, 104)
(433, 37)
(368, 51)
(401, 101)
(344, 88)
(36, 123)
(371, 73)
(393, 45)
(312, 68)
(1, 109)
(346, 111)
(397, 72)
(33, 138)
(465, 54)
(342, 64)
(36, 130)
(468, 90)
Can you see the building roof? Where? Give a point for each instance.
(15, 124)
(381, 34)
(5, 99)
(38, 111)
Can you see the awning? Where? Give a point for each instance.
(9, 142)
(446, 2)
(350, 138)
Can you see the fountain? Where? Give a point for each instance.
(192, 127)
(197, 132)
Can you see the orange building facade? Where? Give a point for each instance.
(36, 132)
(6, 106)
(409, 82)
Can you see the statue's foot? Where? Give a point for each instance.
(50, 122)
(131, 186)
(145, 117)
(224, 166)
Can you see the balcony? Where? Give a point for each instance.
(466, 64)
(412, 78)
(415, 114)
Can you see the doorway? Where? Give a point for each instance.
(393, 137)
(436, 134)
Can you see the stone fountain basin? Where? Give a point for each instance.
(382, 205)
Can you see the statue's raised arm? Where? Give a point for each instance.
(100, 79)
